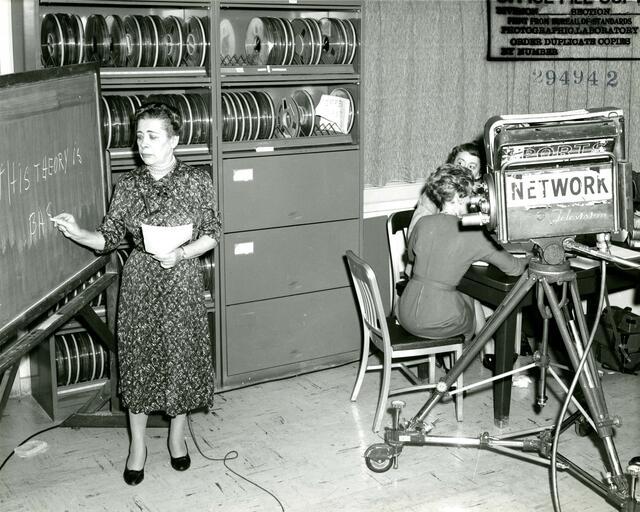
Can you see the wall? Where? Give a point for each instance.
(428, 85)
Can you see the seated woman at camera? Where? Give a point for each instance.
(469, 155)
(442, 251)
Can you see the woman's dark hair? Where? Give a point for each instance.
(167, 114)
(447, 181)
(473, 148)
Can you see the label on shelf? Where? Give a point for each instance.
(264, 149)
(243, 175)
(243, 248)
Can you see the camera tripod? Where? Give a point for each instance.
(569, 316)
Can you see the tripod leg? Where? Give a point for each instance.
(590, 385)
(544, 355)
(502, 312)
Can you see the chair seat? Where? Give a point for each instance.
(404, 340)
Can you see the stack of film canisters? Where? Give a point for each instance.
(253, 115)
(79, 358)
(118, 113)
(129, 41)
(302, 41)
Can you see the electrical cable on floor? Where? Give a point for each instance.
(230, 455)
(26, 440)
(556, 436)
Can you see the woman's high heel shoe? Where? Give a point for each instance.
(134, 476)
(180, 463)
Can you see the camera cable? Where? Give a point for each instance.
(230, 455)
(556, 436)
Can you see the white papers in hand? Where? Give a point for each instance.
(335, 110)
(164, 239)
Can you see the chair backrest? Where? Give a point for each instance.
(374, 321)
(397, 234)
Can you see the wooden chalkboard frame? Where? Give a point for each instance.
(76, 277)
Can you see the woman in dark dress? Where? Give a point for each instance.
(164, 353)
(442, 252)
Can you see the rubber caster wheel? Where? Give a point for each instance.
(582, 428)
(379, 458)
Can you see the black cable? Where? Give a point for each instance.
(27, 439)
(230, 455)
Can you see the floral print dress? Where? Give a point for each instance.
(164, 351)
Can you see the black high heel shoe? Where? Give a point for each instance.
(180, 463)
(134, 476)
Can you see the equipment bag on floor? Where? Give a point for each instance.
(617, 344)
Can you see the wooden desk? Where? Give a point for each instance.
(490, 286)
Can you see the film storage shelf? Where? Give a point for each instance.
(290, 182)
(252, 79)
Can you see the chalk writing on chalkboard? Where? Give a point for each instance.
(51, 160)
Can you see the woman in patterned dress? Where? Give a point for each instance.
(164, 352)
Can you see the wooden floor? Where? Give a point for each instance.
(303, 440)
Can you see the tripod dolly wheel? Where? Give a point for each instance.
(379, 458)
(582, 428)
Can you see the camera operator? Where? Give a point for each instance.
(441, 252)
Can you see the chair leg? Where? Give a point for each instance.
(432, 369)
(363, 367)
(459, 384)
(384, 392)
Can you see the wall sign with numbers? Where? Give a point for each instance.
(562, 30)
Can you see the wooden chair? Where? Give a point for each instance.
(397, 231)
(399, 348)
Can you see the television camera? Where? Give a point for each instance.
(551, 178)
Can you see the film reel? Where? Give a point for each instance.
(174, 41)
(98, 40)
(205, 117)
(79, 35)
(198, 118)
(133, 35)
(162, 45)
(267, 115)
(187, 118)
(227, 38)
(207, 266)
(254, 114)
(259, 41)
(70, 44)
(106, 122)
(196, 42)
(333, 41)
(119, 42)
(289, 118)
(281, 49)
(229, 119)
(341, 92)
(307, 112)
(240, 116)
(52, 47)
(149, 41)
(304, 46)
(352, 40)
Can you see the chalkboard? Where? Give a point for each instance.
(51, 161)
